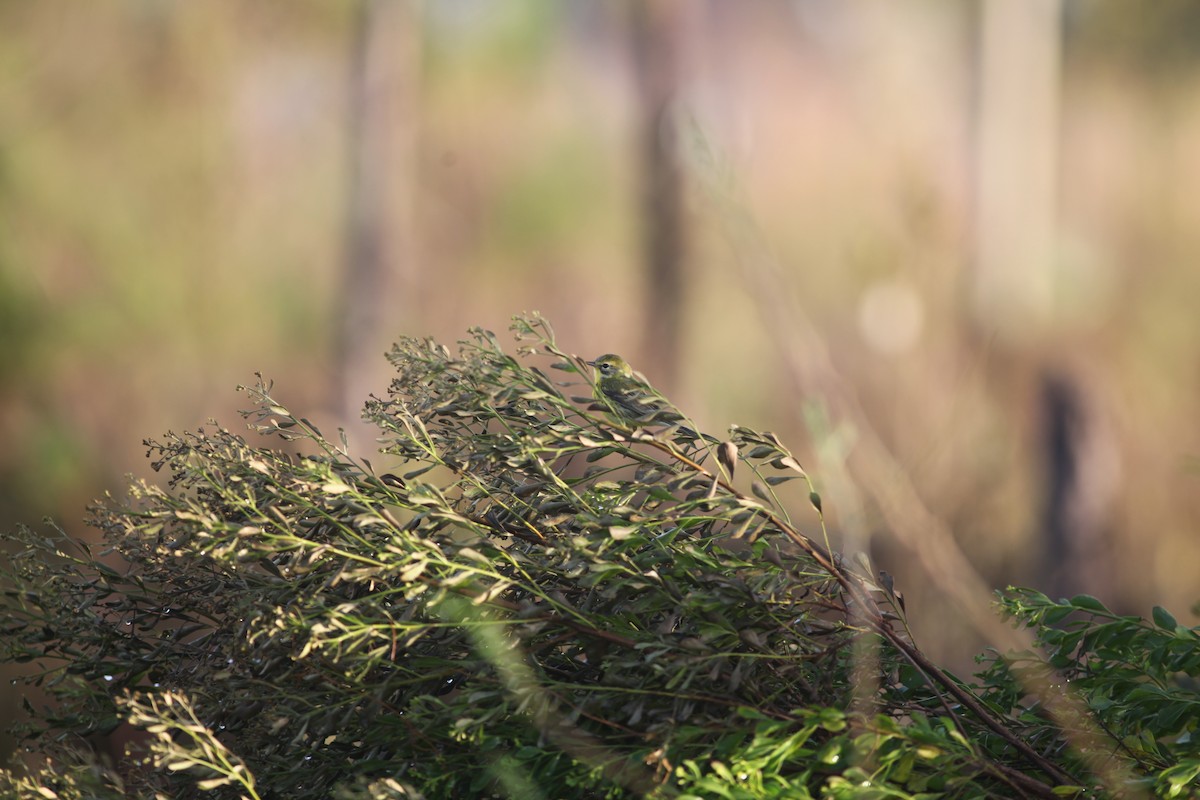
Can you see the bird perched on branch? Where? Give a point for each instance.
(634, 400)
(631, 398)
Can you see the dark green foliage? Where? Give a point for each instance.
(1140, 680)
(545, 602)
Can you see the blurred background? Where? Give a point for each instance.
(948, 251)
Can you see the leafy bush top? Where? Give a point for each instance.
(550, 601)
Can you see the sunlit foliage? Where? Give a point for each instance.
(544, 600)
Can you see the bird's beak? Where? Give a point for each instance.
(590, 363)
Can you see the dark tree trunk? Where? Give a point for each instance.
(380, 125)
(1081, 474)
(657, 33)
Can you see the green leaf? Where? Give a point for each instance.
(1163, 619)
(1056, 614)
(832, 719)
(788, 462)
(408, 476)
(1086, 602)
(831, 753)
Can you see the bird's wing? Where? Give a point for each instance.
(639, 400)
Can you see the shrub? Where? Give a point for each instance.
(549, 601)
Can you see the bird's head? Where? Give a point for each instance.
(612, 366)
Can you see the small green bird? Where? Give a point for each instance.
(631, 398)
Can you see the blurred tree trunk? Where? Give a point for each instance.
(1011, 288)
(657, 31)
(1081, 475)
(1016, 170)
(381, 119)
